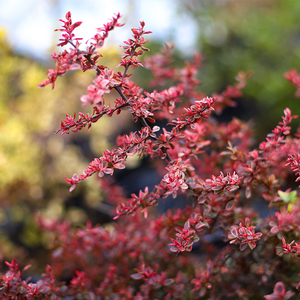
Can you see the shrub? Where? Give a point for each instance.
(211, 164)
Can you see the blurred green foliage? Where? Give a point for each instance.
(33, 160)
(262, 36)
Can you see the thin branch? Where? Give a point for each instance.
(118, 89)
(128, 65)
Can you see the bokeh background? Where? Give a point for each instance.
(258, 35)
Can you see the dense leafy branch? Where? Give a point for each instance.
(211, 163)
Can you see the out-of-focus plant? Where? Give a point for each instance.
(32, 159)
(246, 35)
(212, 164)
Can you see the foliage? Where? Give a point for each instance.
(33, 160)
(246, 35)
(212, 164)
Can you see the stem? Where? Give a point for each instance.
(128, 65)
(71, 42)
(88, 57)
(118, 89)
(84, 121)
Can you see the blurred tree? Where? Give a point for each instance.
(33, 160)
(262, 36)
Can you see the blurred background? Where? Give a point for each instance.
(258, 35)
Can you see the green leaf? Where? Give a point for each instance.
(288, 197)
